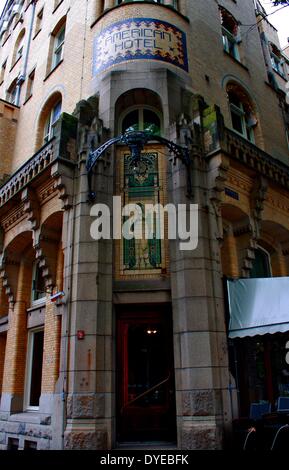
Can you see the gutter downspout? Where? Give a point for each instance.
(22, 76)
(6, 6)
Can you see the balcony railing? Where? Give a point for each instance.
(218, 138)
(58, 148)
(27, 172)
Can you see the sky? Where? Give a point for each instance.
(280, 19)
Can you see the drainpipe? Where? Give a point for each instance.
(22, 76)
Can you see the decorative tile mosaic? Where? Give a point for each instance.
(140, 38)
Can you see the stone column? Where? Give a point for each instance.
(15, 357)
(51, 352)
(200, 344)
(230, 261)
(279, 268)
(89, 384)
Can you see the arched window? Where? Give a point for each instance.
(18, 48)
(141, 119)
(231, 33)
(261, 264)
(48, 117)
(56, 46)
(51, 120)
(277, 60)
(242, 112)
(38, 284)
(11, 94)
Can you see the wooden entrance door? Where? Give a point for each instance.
(145, 376)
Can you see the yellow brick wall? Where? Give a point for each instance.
(51, 352)
(229, 257)
(2, 357)
(8, 129)
(73, 78)
(15, 357)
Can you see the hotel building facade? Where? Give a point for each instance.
(110, 343)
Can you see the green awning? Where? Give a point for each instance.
(258, 306)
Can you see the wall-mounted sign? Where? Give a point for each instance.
(140, 38)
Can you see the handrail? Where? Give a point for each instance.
(145, 393)
(27, 171)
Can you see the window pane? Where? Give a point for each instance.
(56, 112)
(261, 265)
(38, 287)
(60, 37)
(152, 122)
(36, 368)
(131, 122)
(237, 122)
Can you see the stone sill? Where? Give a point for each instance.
(57, 6)
(37, 305)
(52, 70)
(31, 417)
(36, 34)
(15, 63)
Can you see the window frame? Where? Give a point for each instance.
(229, 38)
(240, 111)
(28, 368)
(3, 71)
(58, 47)
(140, 109)
(269, 260)
(12, 91)
(42, 299)
(39, 21)
(50, 123)
(30, 84)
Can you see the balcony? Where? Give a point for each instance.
(218, 138)
(27, 172)
(36, 168)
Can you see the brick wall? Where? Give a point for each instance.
(73, 77)
(8, 128)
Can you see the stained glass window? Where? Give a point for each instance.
(141, 187)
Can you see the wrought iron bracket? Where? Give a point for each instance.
(136, 141)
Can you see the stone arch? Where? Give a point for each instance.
(18, 41)
(237, 90)
(49, 250)
(136, 98)
(237, 251)
(274, 237)
(19, 249)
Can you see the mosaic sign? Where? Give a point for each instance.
(140, 38)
